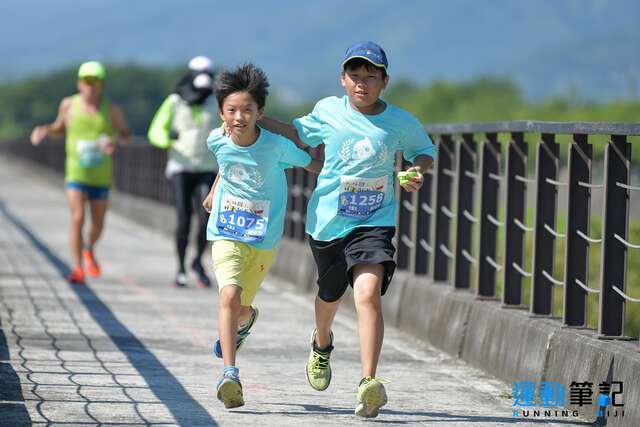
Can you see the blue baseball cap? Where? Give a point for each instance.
(369, 51)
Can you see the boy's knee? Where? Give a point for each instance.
(367, 294)
(230, 297)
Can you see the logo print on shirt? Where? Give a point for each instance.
(240, 173)
(364, 150)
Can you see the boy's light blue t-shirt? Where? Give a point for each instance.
(355, 187)
(250, 199)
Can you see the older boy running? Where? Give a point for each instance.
(351, 216)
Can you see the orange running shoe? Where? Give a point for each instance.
(76, 276)
(90, 262)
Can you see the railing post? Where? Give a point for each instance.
(424, 248)
(545, 218)
(444, 178)
(489, 190)
(465, 171)
(406, 226)
(577, 253)
(614, 253)
(517, 155)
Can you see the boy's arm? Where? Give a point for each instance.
(206, 203)
(287, 130)
(55, 129)
(421, 164)
(315, 166)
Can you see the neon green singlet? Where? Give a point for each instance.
(85, 163)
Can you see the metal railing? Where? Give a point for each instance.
(138, 168)
(468, 169)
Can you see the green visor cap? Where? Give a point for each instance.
(92, 69)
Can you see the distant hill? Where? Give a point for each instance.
(585, 47)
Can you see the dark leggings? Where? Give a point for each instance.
(187, 189)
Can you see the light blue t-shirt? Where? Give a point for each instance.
(250, 199)
(355, 187)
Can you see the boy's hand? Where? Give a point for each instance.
(225, 130)
(206, 203)
(411, 180)
(38, 134)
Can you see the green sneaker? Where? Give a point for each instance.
(318, 367)
(371, 397)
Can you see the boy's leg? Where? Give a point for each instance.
(229, 309)
(76, 200)
(369, 253)
(325, 313)
(244, 314)
(229, 388)
(228, 261)
(332, 283)
(236, 262)
(259, 262)
(367, 282)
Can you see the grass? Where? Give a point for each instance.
(632, 310)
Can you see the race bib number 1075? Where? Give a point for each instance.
(242, 219)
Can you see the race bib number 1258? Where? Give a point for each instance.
(359, 198)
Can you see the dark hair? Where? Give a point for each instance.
(246, 78)
(355, 63)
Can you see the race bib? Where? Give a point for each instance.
(243, 220)
(89, 154)
(360, 197)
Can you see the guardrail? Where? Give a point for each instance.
(470, 183)
(467, 170)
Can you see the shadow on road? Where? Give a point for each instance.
(184, 408)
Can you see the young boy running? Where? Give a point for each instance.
(247, 204)
(351, 216)
(89, 121)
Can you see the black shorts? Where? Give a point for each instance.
(336, 258)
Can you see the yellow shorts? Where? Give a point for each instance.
(240, 264)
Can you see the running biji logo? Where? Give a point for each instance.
(538, 399)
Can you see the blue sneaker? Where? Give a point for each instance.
(230, 389)
(242, 333)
